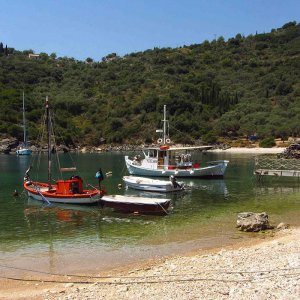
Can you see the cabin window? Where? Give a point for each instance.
(75, 187)
(152, 153)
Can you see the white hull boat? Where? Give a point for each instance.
(165, 160)
(132, 204)
(23, 149)
(213, 169)
(153, 185)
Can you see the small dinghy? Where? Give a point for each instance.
(153, 185)
(132, 204)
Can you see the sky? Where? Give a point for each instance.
(96, 28)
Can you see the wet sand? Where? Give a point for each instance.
(260, 268)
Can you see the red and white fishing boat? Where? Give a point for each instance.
(69, 191)
(166, 160)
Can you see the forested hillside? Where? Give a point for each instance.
(243, 86)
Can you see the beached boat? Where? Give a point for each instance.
(153, 185)
(23, 149)
(166, 160)
(70, 190)
(132, 204)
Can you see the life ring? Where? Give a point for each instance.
(168, 141)
(159, 141)
(164, 147)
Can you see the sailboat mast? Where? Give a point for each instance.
(164, 127)
(24, 121)
(49, 141)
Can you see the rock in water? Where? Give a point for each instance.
(253, 222)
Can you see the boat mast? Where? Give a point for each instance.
(49, 142)
(164, 126)
(24, 120)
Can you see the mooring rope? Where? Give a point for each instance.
(154, 276)
(148, 281)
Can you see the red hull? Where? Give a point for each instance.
(40, 191)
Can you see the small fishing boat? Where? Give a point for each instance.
(23, 149)
(153, 185)
(132, 204)
(166, 160)
(69, 191)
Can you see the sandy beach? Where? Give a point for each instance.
(267, 267)
(255, 150)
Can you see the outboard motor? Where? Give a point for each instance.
(174, 181)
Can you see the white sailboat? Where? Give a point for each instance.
(23, 149)
(166, 160)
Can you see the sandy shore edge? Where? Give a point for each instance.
(255, 150)
(265, 268)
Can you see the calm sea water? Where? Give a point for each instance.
(65, 239)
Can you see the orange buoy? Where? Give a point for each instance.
(164, 147)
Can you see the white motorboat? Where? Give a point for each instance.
(153, 185)
(166, 160)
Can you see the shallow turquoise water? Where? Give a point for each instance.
(61, 238)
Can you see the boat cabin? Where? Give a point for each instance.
(165, 158)
(74, 185)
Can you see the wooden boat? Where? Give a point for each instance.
(64, 191)
(23, 149)
(132, 204)
(153, 185)
(68, 191)
(165, 160)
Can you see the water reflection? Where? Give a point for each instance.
(205, 214)
(275, 186)
(213, 186)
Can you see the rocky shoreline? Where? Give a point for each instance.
(267, 268)
(10, 145)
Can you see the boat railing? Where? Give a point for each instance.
(217, 162)
(71, 169)
(180, 166)
(151, 160)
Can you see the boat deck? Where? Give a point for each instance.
(279, 167)
(278, 173)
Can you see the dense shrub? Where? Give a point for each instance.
(267, 143)
(241, 86)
